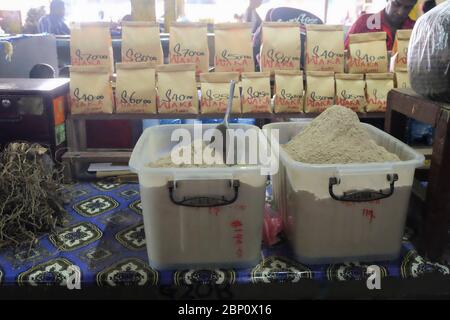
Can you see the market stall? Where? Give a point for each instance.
(311, 196)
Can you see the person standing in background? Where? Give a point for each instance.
(32, 22)
(54, 22)
(392, 18)
(101, 15)
(252, 16)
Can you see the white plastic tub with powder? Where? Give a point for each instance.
(182, 236)
(322, 229)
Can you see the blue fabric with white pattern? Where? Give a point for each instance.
(105, 239)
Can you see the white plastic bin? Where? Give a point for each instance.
(207, 235)
(325, 225)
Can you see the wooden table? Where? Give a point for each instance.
(403, 104)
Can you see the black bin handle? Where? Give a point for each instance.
(365, 195)
(203, 201)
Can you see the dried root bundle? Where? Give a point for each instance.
(31, 194)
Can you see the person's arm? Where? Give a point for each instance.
(65, 28)
(256, 21)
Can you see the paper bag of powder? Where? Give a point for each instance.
(280, 48)
(368, 53)
(288, 91)
(399, 60)
(135, 88)
(256, 95)
(177, 89)
(233, 47)
(143, 10)
(90, 90)
(319, 90)
(324, 48)
(402, 79)
(216, 90)
(350, 91)
(378, 86)
(141, 43)
(188, 43)
(90, 45)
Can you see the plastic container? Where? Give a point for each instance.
(147, 123)
(191, 121)
(170, 121)
(323, 224)
(207, 217)
(251, 121)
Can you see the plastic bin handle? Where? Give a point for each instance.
(362, 195)
(203, 201)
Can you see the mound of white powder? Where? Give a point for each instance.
(206, 152)
(336, 137)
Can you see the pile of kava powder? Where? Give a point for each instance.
(336, 137)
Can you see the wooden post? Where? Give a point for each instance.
(72, 137)
(80, 126)
(170, 14)
(437, 217)
(403, 104)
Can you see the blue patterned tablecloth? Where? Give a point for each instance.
(105, 239)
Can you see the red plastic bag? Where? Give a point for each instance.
(272, 225)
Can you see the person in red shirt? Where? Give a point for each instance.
(393, 17)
